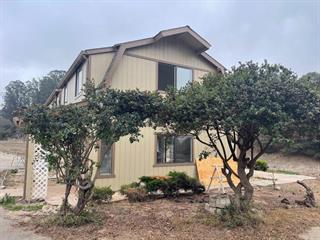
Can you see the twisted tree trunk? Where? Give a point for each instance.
(84, 195)
(309, 200)
(65, 202)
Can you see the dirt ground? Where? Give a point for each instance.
(296, 163)
(13, 146)
(185, 218)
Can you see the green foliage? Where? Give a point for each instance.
(14, 171)
(261, 165)
(76, 220)
(136, 194)
(6, 128)
(232, 217)
(124, 188)
(230, 113)
(307, 143)
(15, 98)
(7, 200)
(19, 95)
(102, 194)
(70, 132)
(171, 184)
(284, 171)
(22, 207)
(168, 185)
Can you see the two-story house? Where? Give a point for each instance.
(172, 57)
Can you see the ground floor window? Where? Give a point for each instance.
(106, 160)
(174, 149)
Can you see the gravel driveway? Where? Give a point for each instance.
(8, 230)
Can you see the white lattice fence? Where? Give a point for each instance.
(39, 173)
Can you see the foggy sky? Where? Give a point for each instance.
(39, 36)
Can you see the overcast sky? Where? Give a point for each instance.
(39, 36)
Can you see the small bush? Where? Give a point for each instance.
(14, 171)
(136, 195)
(261, 165)
(124, 188)
(232, 217)
(102, 194)
(171, 184)
(153, 184)
(7, 200)
(73, 220)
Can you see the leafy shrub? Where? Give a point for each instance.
(168, 185)
(171, 184)
(73, 220)
(6, 128)
(14, 171)
(136, 194)
(7, 200)
(124, 188)
(261, 165)
(153, 184)
(232, 217)
(102, 194)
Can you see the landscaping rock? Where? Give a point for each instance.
(216, 203)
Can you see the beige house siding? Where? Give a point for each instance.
(139, 69)
(133, 73)
(99, 64)
(172, 50)
(70, 85)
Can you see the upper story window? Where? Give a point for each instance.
(173, 76)
(79, 77)
(174, 149)
(65, 94)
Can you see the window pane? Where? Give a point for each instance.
(165, 76)
(174, 149)
(165, 148)
(169, 150)
(78, 81)
(182, 149)
(184, 76)
(106, 161)
(160, 149)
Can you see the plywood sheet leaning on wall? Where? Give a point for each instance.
(206, 171)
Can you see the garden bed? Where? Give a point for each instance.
(185, 218)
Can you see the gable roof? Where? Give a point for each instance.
(186, 34)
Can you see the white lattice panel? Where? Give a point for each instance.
(39, 173)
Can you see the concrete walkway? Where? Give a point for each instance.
(265, 178)
(312, 234)
(8, 230)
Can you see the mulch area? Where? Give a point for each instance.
(185, 218)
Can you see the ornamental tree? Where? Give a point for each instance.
(239, 114)
(69, 133)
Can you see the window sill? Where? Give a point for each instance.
(173, 164)
(106, 176)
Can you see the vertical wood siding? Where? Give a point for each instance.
(173, 50)
(137, 159)
(99, 65)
